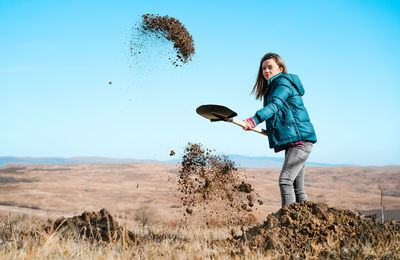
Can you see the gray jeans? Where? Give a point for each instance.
(291, 180)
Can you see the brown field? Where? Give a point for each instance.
(67, 190)
(33, 196)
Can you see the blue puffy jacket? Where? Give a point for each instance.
(286, 117)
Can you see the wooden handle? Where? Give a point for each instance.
(243, 124)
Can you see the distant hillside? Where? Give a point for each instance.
(241, 161)
(59, 160)
(268, 162)
(244, 161)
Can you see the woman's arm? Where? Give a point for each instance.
(279, 95)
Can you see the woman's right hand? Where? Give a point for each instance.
(250, 124)
(247, 127)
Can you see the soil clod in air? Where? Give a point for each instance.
(169, 28)
(213, 189)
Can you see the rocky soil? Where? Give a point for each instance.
(306, 227)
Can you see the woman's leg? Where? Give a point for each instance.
(298, 186)
(295, 157)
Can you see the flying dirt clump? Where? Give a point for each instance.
(164, 27)
(211, 187)
(314, 227)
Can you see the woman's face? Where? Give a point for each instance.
(270, 68)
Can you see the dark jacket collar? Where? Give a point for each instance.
(274, 77)
(294, 80)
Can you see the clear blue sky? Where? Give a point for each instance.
(57, 57)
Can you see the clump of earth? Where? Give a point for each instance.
(95, 226)
(306, 227)
(169, 28)
(212, 188)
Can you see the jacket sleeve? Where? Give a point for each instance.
(279, 95)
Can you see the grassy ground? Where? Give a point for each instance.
(30, 238)
(33, 238)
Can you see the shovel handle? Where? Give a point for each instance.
(243, 124)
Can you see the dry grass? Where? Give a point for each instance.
(30, 238)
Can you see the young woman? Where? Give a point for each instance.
(288, 124)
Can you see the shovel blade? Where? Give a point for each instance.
(215, 112)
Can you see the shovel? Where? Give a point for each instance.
(221, 113)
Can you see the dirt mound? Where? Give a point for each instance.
(212, 188)
(170, 28)
(97, 226)
(315, 227)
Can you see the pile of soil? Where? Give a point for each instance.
(101, 227)
(315, 227)
(96, 226)
(210, 186)
(170, 28)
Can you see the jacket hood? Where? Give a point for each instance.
(295, 82)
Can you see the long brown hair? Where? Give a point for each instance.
(261, 84)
